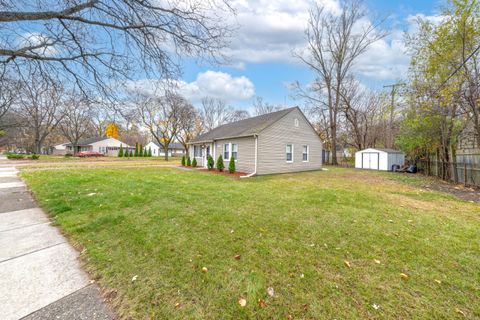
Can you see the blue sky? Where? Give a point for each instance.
(262, 63)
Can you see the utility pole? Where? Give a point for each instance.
(390, 139)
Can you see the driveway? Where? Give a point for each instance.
(40, 273)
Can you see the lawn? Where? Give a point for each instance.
(338, 244)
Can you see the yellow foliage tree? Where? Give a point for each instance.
(112, 131)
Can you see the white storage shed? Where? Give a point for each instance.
(378, 159)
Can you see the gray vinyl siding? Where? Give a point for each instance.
(273, 140)
(246, 153)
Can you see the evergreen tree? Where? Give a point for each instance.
(120, 151)
(145, 152)
(210, 162)
(136, 149)
(140, 150)
(149, 151)
(194, 162)
(220, 165)
(183, 161)
(131, 154)
(231, 165)
(189, 163)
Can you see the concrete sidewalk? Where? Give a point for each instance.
(40, 275)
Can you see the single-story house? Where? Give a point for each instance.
(378, 159)
(277, 142)
(174, 149)
(107, 146)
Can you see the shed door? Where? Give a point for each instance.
(370, 160)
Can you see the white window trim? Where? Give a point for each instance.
(230, 151)
(308, 153)
(293, 153)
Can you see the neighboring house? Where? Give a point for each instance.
(378, 159)
(277, 142)
(59, 149)
(105, 145)
(174, 149)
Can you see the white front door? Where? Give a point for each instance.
(206, 151)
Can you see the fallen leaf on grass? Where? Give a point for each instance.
(134, 278)
(205, 269)
(262, 303)
(377, 261)
(237, 257)
(375, 306)
(290, 317)
(460, 312)
(438, 281)
(242, 302)
(403, 275)
(91, 194)
(347, 264)
(177, 304)
(270, 291)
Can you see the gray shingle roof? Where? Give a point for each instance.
(243, 128)
(89, 141)
(172, 145)
(388, 150)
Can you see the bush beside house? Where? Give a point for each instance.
(220, 165)
(210, 162)
(194, 163)
(231, 165)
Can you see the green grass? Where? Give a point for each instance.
(292, 231)
(53, 158)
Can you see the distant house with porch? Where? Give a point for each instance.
(107, 146)
(277, 142)
(175, 149)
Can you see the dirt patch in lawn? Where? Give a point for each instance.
(458, 190)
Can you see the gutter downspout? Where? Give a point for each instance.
(256, 160)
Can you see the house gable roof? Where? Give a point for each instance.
(243, 128)
(89, 141)
(172, 145)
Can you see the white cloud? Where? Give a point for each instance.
(270, 30)
(210, 83)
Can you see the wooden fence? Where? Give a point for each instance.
(457, 172)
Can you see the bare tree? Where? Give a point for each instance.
(238, 115)
(76, 122)
(261, 107)
(215, 112)
(361, 108)
(189, 124)
(91, 42)
(334, 43)
(40, 107)
(9, 90)
(161, 115)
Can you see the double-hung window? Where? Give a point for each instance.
(234, 150)
(289, 152)
(305, 153)
(197, 151)
(226, 151)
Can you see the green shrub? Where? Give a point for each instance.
(120, 151)
(68, 155)
(140, 150)
(15, 156)
(231, 165)
(210, 162)
(194, 163)
(183, 161)
(35, 156)
(189, 163)
(136, 149)
(220, 165)
(145, 152)
(150, 151)
(131, 153)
